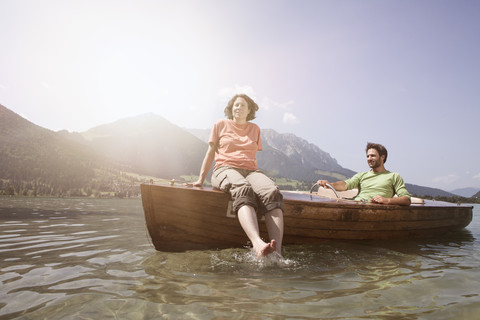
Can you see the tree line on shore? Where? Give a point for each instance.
(455, 199)
(114, 183)
(110, 183)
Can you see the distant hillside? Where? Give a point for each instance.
(421, 191)
(35, 160)
(116, 157)
(465, 192)
(149, 144)
(288, 156)
(296, 158)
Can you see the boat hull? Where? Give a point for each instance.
(179, 218)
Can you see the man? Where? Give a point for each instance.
(377, 185)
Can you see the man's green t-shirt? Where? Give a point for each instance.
(370, 184)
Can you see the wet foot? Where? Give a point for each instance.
(267, 249)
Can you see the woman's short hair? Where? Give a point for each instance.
(382, 151)
(252, 106)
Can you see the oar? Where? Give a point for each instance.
(329, 186)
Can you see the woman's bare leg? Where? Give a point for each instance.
(248, 220)
(274, 222)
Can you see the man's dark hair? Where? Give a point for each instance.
(382, 151)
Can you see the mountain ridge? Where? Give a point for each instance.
(292, 157)
(145, 145)
(465, 192)
(35, 158)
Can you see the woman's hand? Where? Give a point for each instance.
(197, 183)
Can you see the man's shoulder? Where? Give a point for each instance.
(357, 176)
(380, 175)
(363, 174)
(370, 174)
(394, 174)
(394, 177)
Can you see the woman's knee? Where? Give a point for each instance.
(224, 178)
(274, 200)
(242, 194)
(242, 190)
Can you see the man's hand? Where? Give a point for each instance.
(338, 185)
(380, 199)
(401, 201)
(323, 183)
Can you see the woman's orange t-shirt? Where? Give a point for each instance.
(237, 145)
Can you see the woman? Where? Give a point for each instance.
(233, 144)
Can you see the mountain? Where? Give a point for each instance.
(151, 145)
(40, 160)
(465, 192)
(296, 158)
(288, 156)
(112, 157)
(148, 144)
(421, 191)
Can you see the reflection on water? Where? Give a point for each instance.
(92, 259)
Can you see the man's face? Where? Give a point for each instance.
(373, 159)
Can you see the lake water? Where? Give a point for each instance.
(92, 259)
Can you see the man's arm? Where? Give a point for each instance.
(401, 201)
(403, 196)
(339, 185)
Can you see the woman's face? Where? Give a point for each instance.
(240, 110)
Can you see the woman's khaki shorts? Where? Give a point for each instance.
(248, 187)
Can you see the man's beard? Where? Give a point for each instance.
(374, 164)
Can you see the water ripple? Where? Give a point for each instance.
(96, 262)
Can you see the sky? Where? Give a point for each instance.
(337, 73)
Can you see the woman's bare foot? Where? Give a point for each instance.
(267, 249)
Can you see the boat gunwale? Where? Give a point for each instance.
(300, 198)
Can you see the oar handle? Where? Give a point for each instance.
(329, 186)
(333, 189)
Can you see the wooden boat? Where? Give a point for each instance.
(182, 218)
